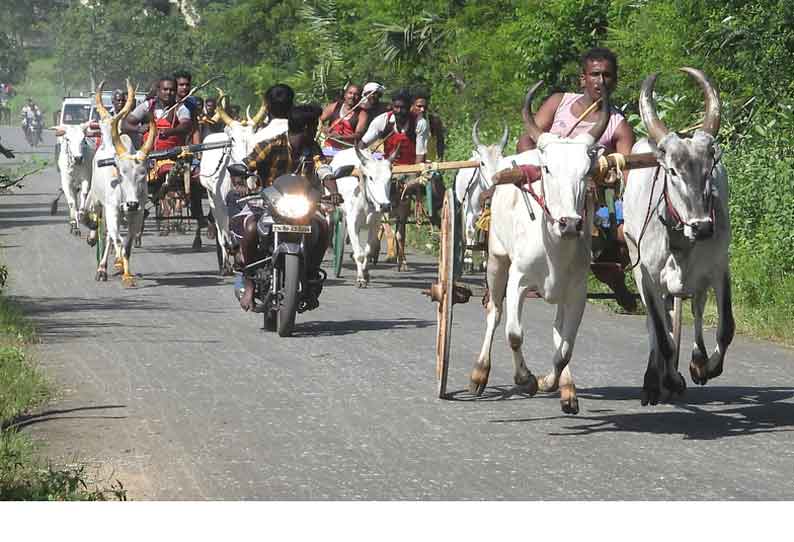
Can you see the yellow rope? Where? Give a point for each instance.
(484, 222)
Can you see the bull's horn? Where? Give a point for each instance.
(603, 120)
(474, 133)
(103, 112)
(121, 150)
(260, 115)
(361, 157)
(711, 122)
(220, 111)
(130, 103)
(148, 145)
(532, 129)
(250, 121)
(655, 127)
(505, 137)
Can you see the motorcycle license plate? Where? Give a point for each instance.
(289, 228)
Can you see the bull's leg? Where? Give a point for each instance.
(134, 224)
(514, 303)
(354, 222)
(700, 369)
(661, 347)
(82, 202)
(566, 326)
(498, 267)
(373, 243)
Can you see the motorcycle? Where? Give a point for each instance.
(32, 130)
(282, 287)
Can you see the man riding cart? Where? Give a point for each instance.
(568, 115)
(174, 126)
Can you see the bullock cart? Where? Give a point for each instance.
(447, 291)
(180, 158)
(424, 172)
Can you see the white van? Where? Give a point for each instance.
(74, 110)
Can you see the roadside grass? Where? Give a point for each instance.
(24, 475)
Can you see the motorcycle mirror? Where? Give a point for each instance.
(344, 171)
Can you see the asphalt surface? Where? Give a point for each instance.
(173, 390)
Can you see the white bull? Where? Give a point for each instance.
(120, 191)
(74, 164)
(470, 183)
(678, 230)
(366, 199)
(545, 249)
(215, 178)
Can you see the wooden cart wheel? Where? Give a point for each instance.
(339, 241)
(678, 303)
(446, 275)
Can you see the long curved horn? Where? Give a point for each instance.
(224, 116)
(121, 150)
(711, 122)
(260, 115)
(148, 145)
(603, 120)
(474, 133)
(656, 128)
(532, 129)
(360, 155)
(250, 121)
(100, 107)
(505, 137)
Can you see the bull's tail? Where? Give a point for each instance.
(54, 204)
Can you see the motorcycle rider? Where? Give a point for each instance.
(294, 151)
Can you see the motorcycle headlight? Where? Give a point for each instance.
(293, 206)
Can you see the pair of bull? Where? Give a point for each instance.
(676, 225)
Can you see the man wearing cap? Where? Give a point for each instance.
(372, 94)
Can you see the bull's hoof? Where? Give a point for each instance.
(529, 386)
(362, 283)
(197, 243)
(478, 380)
(138, 242)
(568, 400)
(129, 281)
(101, 276)
(402, 267)
(650, 396)
(697, 368)
(675, 384)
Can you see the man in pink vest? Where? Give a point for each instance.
(559, 114)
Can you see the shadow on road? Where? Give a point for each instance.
(21, 422)
(184, 280)
(705, 414)
(333, 328)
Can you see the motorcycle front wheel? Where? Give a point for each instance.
(285, 321)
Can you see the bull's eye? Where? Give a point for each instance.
(673, 172)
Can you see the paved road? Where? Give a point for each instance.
(182, 396)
